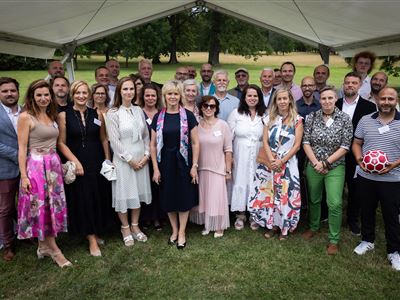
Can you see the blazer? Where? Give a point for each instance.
(364, 107)
(8, 147)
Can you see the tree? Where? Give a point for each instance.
(280, 43)
(390, 65)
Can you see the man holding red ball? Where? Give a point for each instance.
(380, 131)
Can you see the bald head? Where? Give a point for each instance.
(387, 101)
(308, 87)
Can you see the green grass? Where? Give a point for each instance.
(238, 266)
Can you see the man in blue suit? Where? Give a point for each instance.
(9, 171)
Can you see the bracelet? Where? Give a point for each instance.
(229, 172)
(195, 165)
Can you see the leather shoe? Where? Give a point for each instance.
(354, 229)
(332, 249)
(309, 234)
(8, 254)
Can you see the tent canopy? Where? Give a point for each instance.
(36, 28)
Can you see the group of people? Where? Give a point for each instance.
(198, 152)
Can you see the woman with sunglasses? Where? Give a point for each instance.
(215, 167)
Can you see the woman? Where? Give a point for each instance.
(191, 92)
(129, 138)
(327, 138)
(175, 156)
(275, 196)
(139, 82)
(215, 167)
(100, 98)
(247, 129)
(83, 141)
(150, 102)
(42, 209)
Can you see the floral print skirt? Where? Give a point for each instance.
(42, 211)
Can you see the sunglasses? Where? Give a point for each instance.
(209, 106)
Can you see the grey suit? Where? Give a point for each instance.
(9, 178)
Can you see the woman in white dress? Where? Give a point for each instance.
(129, 138)
(247, 129)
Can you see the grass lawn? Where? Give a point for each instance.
(238, 266)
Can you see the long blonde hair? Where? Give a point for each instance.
(274, 111)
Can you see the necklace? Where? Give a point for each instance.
(82, 126)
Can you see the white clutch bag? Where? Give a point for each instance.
(108, 170)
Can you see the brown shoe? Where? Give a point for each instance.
(8, 254)
(332, 249)
(309, 234)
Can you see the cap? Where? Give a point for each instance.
(241, 70)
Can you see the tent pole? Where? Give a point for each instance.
(324, 53)
(69, 51)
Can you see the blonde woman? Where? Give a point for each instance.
(275, 196)
(191, 92)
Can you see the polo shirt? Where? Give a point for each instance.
(227, 105)
(388, 142)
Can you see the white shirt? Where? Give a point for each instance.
(267, 97)
(349, 108)
(12, 116)
(111, 93)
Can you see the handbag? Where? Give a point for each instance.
(262, 157)
(69, 172)
(108, 170)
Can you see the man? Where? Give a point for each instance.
(242, 79)
(9, 171)
(206, 87)
(267, 85)
(102, 76)
(277, 77)
(60, 86)
(378, 81)
(192, 72)
(181, 74)
(113, 66)
(380, 130)
(321, 75)
(356, 107)
(145, 69)
(288, 70)
(56, 68)
(227, 102)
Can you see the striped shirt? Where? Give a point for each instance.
(388, 141)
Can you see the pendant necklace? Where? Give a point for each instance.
(81, 126)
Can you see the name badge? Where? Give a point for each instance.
(55, 125)
(217, 133)
(383, 129)
(148, 120)
(97, 122)
(284, 133)
(329, 122)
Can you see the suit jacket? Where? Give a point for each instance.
(364, 107)
(8, 147)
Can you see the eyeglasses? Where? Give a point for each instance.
(209, 106)
(100, 94)
(241, 75)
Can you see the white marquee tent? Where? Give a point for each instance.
(35, 28)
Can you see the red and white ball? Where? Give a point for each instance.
(375, 161)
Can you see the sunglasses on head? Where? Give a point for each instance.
(209, 106)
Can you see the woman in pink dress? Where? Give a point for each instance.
(42, 209)
(215, 167)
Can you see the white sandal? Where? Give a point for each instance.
(140, 236)
(254, 225)
(128, 239)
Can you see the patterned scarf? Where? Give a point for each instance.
(184, 134)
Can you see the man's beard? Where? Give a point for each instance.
(375, 90)
(350, 93)
(221, 89)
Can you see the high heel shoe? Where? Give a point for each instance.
(181, 246)
(60, 259)
(172, 242)
(139, 236)
(42, 252)
(128, 239)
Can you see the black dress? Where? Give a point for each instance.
(177, 192)
(89, 196)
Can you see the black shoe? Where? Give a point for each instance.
(172, 242)
(354, 229)
(181, 246)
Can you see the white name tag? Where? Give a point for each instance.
(217, 133)
(55, 125)
(329, 122)
(97, 122)
(384, 129)
(284, 133)
(148, 120)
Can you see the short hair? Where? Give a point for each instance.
(353, 74)
(325, 66)
(99, 68)
(117, 95)
(243, 108)
(328, 88)
(221, 72)
(4, 80)
(30, 104)
(364, 54)
(76, 85)
(151, 86)
(57, 77)
(173, 85)
(288, 63)
(94, 89)
(277, 69)
(206, 99)
(380, 72)
(189, 82)
(144, 61)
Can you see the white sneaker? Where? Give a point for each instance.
(394, 259)
(364, 247)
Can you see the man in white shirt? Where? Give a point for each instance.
(267, 85)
